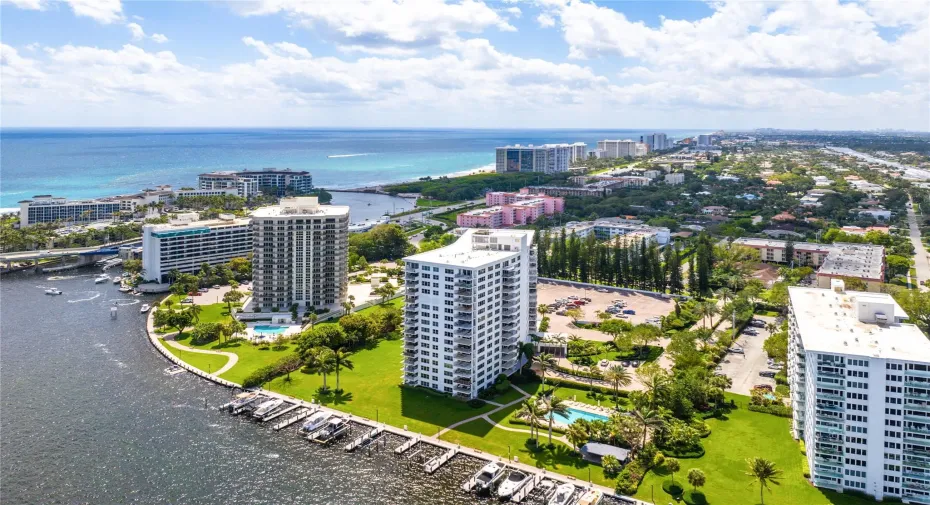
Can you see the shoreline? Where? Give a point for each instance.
(484, 169)
(156, 342)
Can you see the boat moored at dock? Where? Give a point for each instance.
(266, 407)
(487, 476)
(144, 308)
(514, 481)
(563, 495)
(591, 497)
(315, 422)
(335, 428)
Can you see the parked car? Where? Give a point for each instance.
(763, 386)
(735, 350)
(604, 362)
(767, 373)
(586, 299)
(203, 290)
(216, 286)
(758, 323)
(626, 363)
(635, 364)
(749, 331)
(629, 311)
(602, 290)
(187, 300)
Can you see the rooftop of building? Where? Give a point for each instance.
(844, 322)
(466, 252)
(843, 259)
(483, 212)
(192, 220)
(267, 170)
(301, 206)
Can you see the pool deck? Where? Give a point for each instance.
(290, 330)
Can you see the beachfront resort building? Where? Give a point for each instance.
(860, 392)
(622, 148)
(579, 152)
(186, 243)
(300, 252)
(249, 182)
(49, 209)
(469, 307)
(547, 158)
(510, 209)
(655, 141)
(832, 261)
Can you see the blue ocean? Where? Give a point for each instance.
(84, 163)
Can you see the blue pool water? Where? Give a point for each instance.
(267, 328)
(574, 415)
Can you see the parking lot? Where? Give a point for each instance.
(645, 306)
(744, 368)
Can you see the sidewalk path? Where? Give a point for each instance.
(232, 357)
(921, 264)
(480, 416)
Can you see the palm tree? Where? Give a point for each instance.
(646, 419)
(707, 309)
(313, 317)
(617, 376)
(543, 309)
(725, 293)
(577, 434)
(764, 472)
(194, 310)
(320, 361)
(341, 360)
(545, 361)
(555, 405)
(531, 413)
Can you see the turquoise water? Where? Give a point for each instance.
(265, 329)
(86, 163)
(574, 415)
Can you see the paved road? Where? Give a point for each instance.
(921, 263)
(54, 253)
(419, 216)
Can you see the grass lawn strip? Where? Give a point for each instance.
(206, 362)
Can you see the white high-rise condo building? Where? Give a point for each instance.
(186, 243)
(860, 392)
(300, 254)
(469, 307)
(705, 140)
(579, 151)
(622, 148)
(548, 158)
(250, 182)
(655, 141)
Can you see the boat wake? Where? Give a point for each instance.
(273, 455)
(350, 155)
(122, 302)
(102, 347)
(96, 294)
(65, 277)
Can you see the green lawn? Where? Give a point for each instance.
(424, 203)
(745, 434)
(373, 390)
(578, 394)
(208, 362)
(653, 353)
(251, 357)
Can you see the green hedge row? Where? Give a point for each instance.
(775, 410)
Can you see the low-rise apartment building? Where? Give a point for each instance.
(469, 307)
(300, 254)
(49, 209)
(511, 209)
(832, 261)
(249, 182)
(610, 229)
(860, 392)
(187, 243)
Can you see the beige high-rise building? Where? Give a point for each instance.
(300, 254)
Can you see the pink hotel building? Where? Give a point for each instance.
(509, 209)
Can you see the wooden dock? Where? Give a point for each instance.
(432, 465)
(369, 435)
(303, 414)
(404, 447)
(279, 413)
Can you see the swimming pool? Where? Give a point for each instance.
(575, 414)
(265, 329)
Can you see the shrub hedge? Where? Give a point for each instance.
(775, 410)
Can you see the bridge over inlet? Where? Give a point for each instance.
(84, 255)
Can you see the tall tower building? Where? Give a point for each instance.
(860, 392)
(300, 254)
(469, 307)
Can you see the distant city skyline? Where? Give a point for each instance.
(735, 65)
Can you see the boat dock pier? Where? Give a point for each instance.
(279, 412)
(368, 436)
(431, 466)
(303, 414)
(402, 448)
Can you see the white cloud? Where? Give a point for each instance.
(102, 11)
(159, 38)
(545, 20)
(137, 32)
(376, 24)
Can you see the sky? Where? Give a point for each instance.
(727, 64)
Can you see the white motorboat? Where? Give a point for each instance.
(335, 428)
(563, 495)
(117, 279)
(242, 400)
(113, 311)
(101, 279)
(315, 421)
(487, 476)
(512, 484)
(266, 407)
(173, 370)
(144, 308)
(591, 497)
(125, 289)
(53, 291)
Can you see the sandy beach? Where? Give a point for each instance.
(486, 169)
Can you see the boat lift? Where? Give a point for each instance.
(432, 465)
(303, 414)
